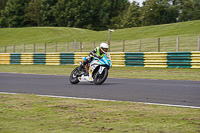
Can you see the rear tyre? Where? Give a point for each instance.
(100, 78)
(73, 78)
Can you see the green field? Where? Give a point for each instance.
(188, 33)
(39, 114)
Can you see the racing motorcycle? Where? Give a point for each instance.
(95, 72)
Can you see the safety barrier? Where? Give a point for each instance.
(138, 59)
(37, 58)
(164, 59)
(117, 58)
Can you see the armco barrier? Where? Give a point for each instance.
(138, 59)
(152, 59)
(134, 59)
(66, 58)
(4, 58)
(15, 58)
(195, 59)
(37, 58)
(179, 59)
(78, 57)
(117, 58)
(26, 59)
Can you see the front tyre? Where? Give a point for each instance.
(73, 78)
(100, 78)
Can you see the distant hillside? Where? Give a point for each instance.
(64, 34)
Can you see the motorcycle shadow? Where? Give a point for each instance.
(92, 84)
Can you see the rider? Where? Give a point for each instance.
(97, 52)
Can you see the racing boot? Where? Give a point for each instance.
(86, 73)
(82, 67)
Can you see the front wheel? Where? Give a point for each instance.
(100, 78)
(73, 78)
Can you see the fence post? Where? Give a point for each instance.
(199, 44)
(23, 48)
(177, 45)
(80, 46)
(55, 47)
(14, 48)
(158, 44)
(68, 47)
(5, 51)
(123, 45)
(140, 45)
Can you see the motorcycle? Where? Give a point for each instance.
(96, 72)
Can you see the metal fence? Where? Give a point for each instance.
(161, 44)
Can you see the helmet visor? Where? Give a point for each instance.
(105, 49)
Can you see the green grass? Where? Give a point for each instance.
(39, 114)
(31, 113)
(117, 72)
(187, 31)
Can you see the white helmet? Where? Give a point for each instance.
(104, 47)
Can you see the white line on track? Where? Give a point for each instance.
(171, 105)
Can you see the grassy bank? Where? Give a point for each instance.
(31, 114)
(188, 33)
(117, 72)
(65, 34)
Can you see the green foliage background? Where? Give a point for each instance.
(96, 14)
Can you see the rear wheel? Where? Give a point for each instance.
(73, 78)
(100, 78)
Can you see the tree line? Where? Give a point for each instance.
(96, 14)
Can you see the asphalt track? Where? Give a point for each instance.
(175, 92)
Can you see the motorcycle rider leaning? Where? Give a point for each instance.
(98, 52)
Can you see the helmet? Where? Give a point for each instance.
(104, 47)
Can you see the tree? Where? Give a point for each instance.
(196, 10)
(190, 10)
(116, 11)
(82, 13)
(61, 13)
(13, 14)
(2, 4)
(131, 16)
(156, 12)
(91, 14)
(33, 13)
(47, 12)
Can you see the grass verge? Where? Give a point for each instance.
(117, 72)
(31, 113)
(188, 33)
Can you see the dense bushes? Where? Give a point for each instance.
(96, 14)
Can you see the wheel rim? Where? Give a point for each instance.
(74, 75)
(100, 76)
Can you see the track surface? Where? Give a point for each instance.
(138, 90)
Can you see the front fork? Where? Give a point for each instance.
(101, 68)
